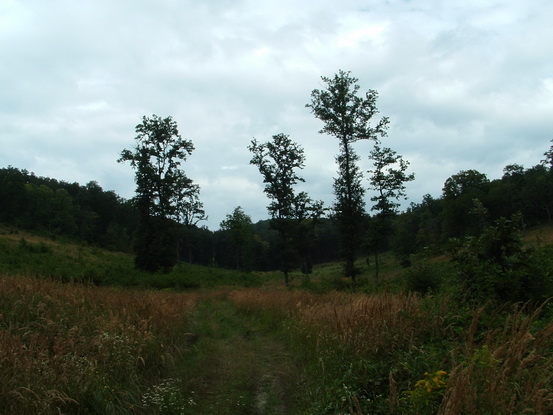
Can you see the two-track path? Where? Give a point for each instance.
(236, 364)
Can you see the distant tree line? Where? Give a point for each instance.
(87, 213)
(101, 218)
(469, 201)
(92, 215)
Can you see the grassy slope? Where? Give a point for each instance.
(26, 253)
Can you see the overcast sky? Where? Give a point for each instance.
(467, 84)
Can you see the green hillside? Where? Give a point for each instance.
(23, 252)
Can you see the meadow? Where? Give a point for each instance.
(77, 340)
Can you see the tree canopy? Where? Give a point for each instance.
(278, 161)
(163, 191)
(348, 116)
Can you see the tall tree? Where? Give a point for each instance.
(548, 160)
(277, 161)
(547, 206)
(12, 189)
(189, 210)
(157, 155)
(388, 178)
(348, 117)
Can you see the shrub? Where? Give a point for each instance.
(428, 392)
(424, 278)
(496, 265)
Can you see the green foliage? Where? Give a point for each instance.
(528, 191)
(388, 180)
(277, 161)
(157, 155)
(497, 265)
(293, 215)
(163, 192)
(428, 392)
(404, 235)
(238, 227)
(66, 262)
(40, 248)
(155, 244)
(58, 208)
(459, 193)
(346, 115)
(70, 262)
(424, 278)
(464, 182)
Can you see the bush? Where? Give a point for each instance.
(424, 278)
(496, 265)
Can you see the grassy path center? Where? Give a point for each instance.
(236, 364)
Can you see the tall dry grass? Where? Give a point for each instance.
(509, 372)
(386, 345)
(366, 324)
(68, 348)
(360, 321)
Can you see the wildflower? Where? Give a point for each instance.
(168, 398)
(428, 390)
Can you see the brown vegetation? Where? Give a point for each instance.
(69, 348)
(509, 372)
(487, 368)
(65, 346)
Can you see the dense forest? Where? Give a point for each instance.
(102, 218)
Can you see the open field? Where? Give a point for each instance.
(69, 346)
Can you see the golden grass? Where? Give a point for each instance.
(500, 371)
(363, 323)
(510, 372)
(65, 346)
